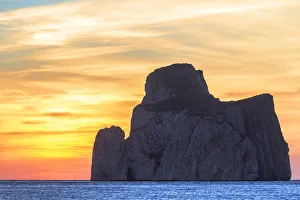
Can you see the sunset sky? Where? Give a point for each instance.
(69, 68)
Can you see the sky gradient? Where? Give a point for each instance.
(69, 68)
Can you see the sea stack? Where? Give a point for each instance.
(182, 132)
(109, 155)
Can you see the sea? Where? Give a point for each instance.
(32, 190)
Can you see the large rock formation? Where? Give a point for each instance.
(181, 132)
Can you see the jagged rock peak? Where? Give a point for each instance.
(113, 131)
(173, 81)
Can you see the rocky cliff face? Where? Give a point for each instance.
(181, 132)
(109, 160)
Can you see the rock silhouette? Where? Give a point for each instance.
(182, 132)
(109, 155)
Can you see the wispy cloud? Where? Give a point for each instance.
(280, 94)
(33, 122)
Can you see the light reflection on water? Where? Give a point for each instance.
(148, 190)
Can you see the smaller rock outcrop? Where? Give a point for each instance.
(109, 155)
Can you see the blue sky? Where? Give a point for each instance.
(6, 5)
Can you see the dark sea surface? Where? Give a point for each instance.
(23, 190)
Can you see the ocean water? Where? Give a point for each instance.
(23, 190)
